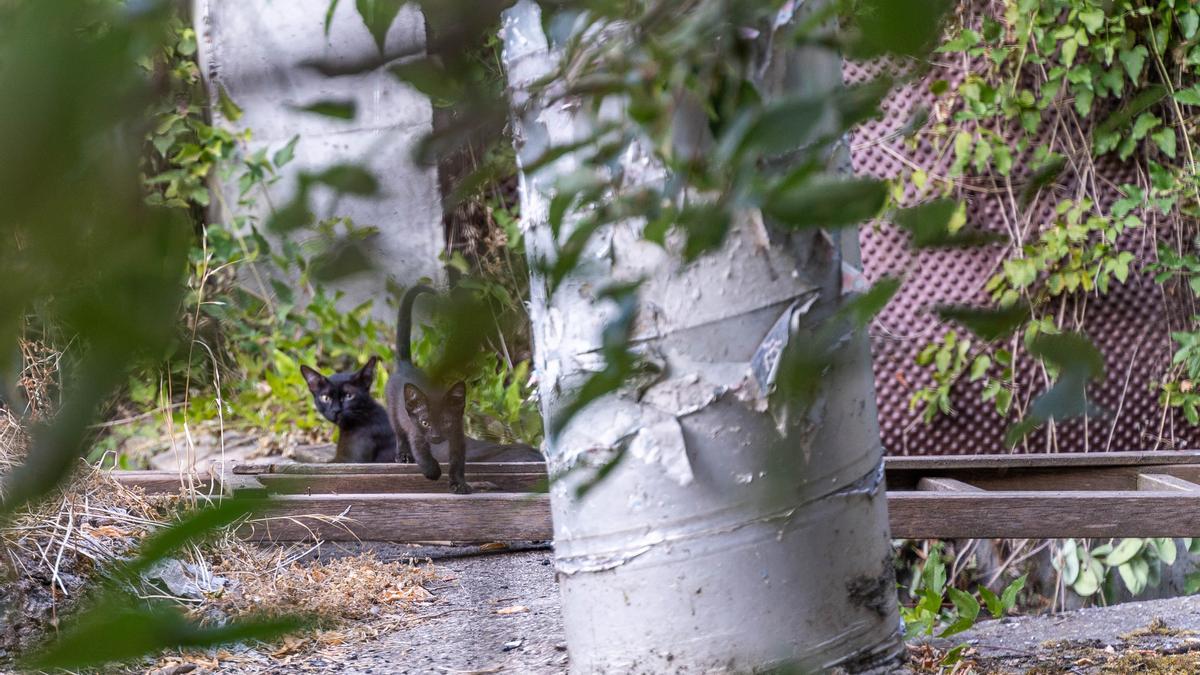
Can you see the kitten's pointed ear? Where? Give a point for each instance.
(456, 396)
(413, 397)
(366, 374)
(313, 378)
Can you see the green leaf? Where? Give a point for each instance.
(348, 178)
(1166, 550)
(954, 655)
(329, 15)
(1165, 140)
(1189, 96)
(790, 123)
(1133, 59)
(378, 16)
(967, 609)
(1078, 362)
(291, 216)
(1087, 583)
(933, 225)
(1008, 598)
(1043, 176)
(111, 632)
(980, 367)
(1092, 19)
(826, 201)
(1069, 47)
(337, 109)
(1143, 124)
(992, 601)
(1146, 98)
(229, 109)
(1129, 576)
(1124, 551)
(902, 27)
(989, 324)
(431, 78)
(193, 527)
(705, 227)
(1189, 21)
(864, 307)
(285, 154)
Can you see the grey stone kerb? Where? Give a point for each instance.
(254, 50)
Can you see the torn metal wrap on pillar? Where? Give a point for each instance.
(714, 511)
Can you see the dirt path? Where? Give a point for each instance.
(465, 631)
(499, 613)
(492, 613)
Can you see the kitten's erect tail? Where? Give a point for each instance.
(404, 322)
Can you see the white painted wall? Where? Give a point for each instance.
(254, 48)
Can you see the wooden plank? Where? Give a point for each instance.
(978, 515)
(1022, 479)
(1073, 459)
(930, 484)
(384, 468)
(159, 482)
(404, 518)
(1165, 483)
(369, 483)
(234, 484)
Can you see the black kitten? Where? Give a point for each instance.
(364, 432)
(421, 413)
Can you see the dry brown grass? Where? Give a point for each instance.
(349, 588)
(53, 551)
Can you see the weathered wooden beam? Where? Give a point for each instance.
(378, 483)
(979, 515)
(403, 518)
(1101, 471)
(1075, 459)
(241, 485)
(1165, 483)
(161, 482)
(384, 468)
(931, 484)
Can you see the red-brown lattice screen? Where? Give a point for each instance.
(1129, 324)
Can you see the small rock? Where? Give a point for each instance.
(175, 670)
(513, 644)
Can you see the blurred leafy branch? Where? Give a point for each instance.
(661, 64)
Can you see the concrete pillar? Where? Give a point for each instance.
(254, 49)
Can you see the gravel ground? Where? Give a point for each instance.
(464, 631)
(498, 612)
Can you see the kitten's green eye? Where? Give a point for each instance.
(324, 398)
(349, 396)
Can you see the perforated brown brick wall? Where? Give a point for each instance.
(1129, 324)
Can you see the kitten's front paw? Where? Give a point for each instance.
(460, 488)
(405, 458)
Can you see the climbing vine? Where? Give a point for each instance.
(1053, 96)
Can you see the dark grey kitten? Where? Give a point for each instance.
(364, 432)
(422, 413)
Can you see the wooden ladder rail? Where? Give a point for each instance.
(1026, 496)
